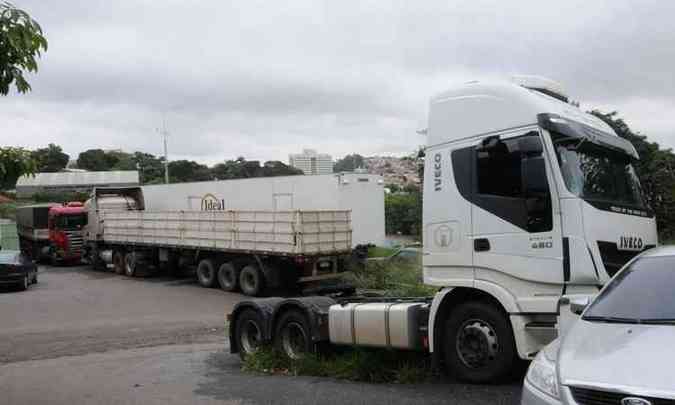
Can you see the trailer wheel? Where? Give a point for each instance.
(228, 277)
(206, 273)
(130, 264)
(478, 344)
(252, 280)
(118, 262)
(248, 332)
(292, 337)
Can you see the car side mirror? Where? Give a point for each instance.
(578, 305)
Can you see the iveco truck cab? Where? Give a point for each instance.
(527, 199)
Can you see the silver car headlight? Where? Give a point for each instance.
(542, 372)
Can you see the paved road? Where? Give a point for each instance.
(88, 337)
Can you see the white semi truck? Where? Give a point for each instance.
(526, 199)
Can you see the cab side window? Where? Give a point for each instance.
(507, 177)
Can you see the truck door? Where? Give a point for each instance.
(517, 239)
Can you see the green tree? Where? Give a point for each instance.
(403, 213)
(273, 168)
(94, 160)
(21, 42)
(656, 170)
(50, 159)
(181, 171)
(14, 163)
(349, 163)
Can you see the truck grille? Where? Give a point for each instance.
(613, 258)
(75, 242)
(584, 396)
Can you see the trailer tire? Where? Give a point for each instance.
(252, 280)
(248, 332)
(293, 335)
(206, 273)
(479, 346)
(228, 277)
(130, 264)
(118, 262)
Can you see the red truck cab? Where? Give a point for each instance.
(66, 226)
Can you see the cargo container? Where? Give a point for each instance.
(362, 194)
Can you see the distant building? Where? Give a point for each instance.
(61, 182)
(311, 162)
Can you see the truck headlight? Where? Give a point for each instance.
(542, 372)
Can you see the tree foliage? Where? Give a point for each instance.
(349, 163)
(50, 159)
(14, 163)
(403, 213)
(656, 170)
(21, 42)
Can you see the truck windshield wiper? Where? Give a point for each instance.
(658, 321)
(611, 319)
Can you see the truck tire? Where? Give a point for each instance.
(118, 262)
(130, 264)
(206, 273)
(479, 346)
(293, 335)
(252, 280)
(228, 277)
(23, 284)
(248, 332)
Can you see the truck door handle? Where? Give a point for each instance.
(481, 245)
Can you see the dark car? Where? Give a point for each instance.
(17, 269)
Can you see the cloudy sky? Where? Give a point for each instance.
(262, 79)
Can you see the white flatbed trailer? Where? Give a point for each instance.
(249, 250)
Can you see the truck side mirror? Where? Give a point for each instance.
(578, 305)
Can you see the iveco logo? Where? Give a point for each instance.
(635, 401)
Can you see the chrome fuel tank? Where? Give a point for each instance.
(377, 324)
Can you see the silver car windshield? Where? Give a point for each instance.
(597, 173)
(641, 293)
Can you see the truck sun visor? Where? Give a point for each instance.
(575, 129)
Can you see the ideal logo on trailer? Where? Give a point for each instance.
(211, 203)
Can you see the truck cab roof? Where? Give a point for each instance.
(482, 107)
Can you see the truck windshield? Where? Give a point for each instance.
(597, 173)
(71, 221)
(624, 299)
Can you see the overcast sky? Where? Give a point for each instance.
(263, 79)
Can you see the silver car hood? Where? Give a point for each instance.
(636, 359)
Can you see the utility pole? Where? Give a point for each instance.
(165, 135)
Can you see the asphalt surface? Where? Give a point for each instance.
(81, 336)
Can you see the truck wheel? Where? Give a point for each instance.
(130, 264)
(206, 273)
(252, 280)
(479, 346)
(118, 262)
(23, 285)
(248, 332)
(228, 277)
(292, 337)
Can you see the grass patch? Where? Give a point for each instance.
(394, 278)
(379, 251)
(364, 365)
